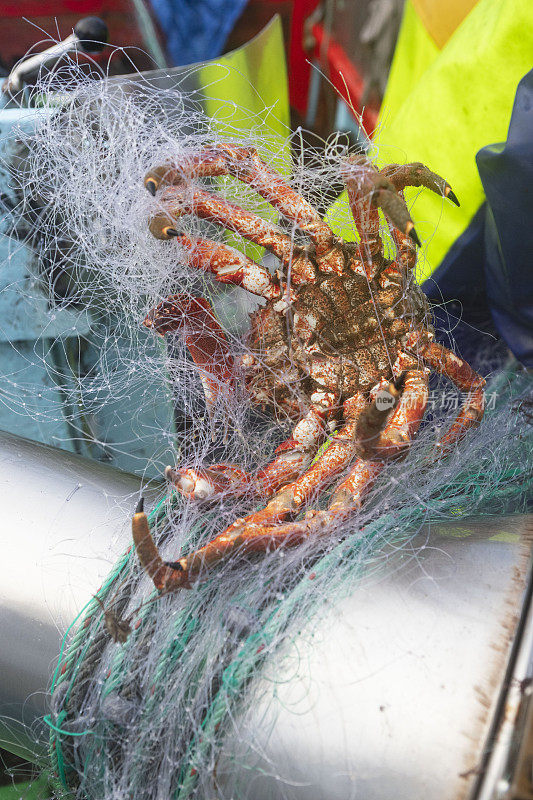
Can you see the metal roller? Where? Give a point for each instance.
(65, 520)
(407, 689)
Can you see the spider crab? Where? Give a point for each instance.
(344, 342)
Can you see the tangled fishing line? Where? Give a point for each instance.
(150, 716)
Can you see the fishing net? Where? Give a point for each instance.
(151, 714)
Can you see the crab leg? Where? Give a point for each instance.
(405, 420)
(366, 218)
(346, 500)
(245, 164)
(415, 174)
(293, 456)
(292, 496)
(258, 531)
(467, 380)
(405, 247)
(388, 193)
(228, 265)
(259, 535)
(209, 483)
(204, 337)
(181, 200)
(263, 538)
(169, 576)
(349, 495)
(461, 374)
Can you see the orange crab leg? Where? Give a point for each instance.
(208, 483)
(181, 200)
(262, 536)
(349, 495)
(467, 380)
(255, 537)
(462, 375)
(404, 422)
(256, 532)
(293, 456)
(245, 164)
(148, 553)
(204, 337)
(406, 417)
(405, 249)
(292, 496)
(228, 265)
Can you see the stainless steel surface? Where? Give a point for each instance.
(392, 695)
(244, 89)
(510, 724)
(65, 520)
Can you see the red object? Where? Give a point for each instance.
(333, 59)
(300, 68)
(344, 76)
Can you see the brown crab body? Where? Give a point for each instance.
(341, 335)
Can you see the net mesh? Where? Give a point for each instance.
(148, 716)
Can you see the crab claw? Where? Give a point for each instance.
(451, 195)
(151, 186)
(411, 232)
(209, 483)
(204, 337)
(417, 174)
